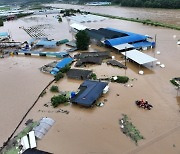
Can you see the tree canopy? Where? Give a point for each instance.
(170, 4)
(82, 40)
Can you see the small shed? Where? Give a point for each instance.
(62, 42)
(79, 74)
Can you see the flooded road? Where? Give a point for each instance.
(169, 16)
(95, 130)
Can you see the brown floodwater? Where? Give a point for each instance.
(95, 130)
(170, 16)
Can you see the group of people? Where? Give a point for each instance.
(143, 104)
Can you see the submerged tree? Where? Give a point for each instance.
(82, 40)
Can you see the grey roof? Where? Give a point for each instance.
(116, 63)
(103, 54)
(89, 92)
(104, 33)
(71, 43)
(93, 60)
(78, 74)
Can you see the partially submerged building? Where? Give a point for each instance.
(116, 63)
(89, 92)
(79, 74)
(61, 64)
(103, 55)
(91, 57)
(46, 43)
(113, 38)
(89, 60)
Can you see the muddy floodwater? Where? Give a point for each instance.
(170, 16)
(95, 130)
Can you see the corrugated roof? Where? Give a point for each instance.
(139, 57)
(142, 44)
(64, 62)
(45, 43)
(123, 46)
(125, 39)
(89, 93)
(43, 127)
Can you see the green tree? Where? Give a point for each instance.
(54, 89)
(65, 69)
(58, 76)
(57, 100)
(82, 40)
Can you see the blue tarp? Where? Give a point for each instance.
(142, 44)
(90, 91)
(46, 43)
(4, 34)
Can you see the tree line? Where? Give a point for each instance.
(170, 4)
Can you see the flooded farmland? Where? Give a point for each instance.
(95, 130)
(169, 16)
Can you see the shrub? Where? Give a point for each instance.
(58, 76)
(57, 100)
(93, 76)
(54, 89)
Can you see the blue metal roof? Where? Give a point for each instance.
(90, 91)
(4, 34)
(132, 37)
(126, 39)
(64, 62)
(45, 43)
(61, 64)
(142, 44)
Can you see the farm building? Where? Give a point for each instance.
(89, 92)
(79, 74)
